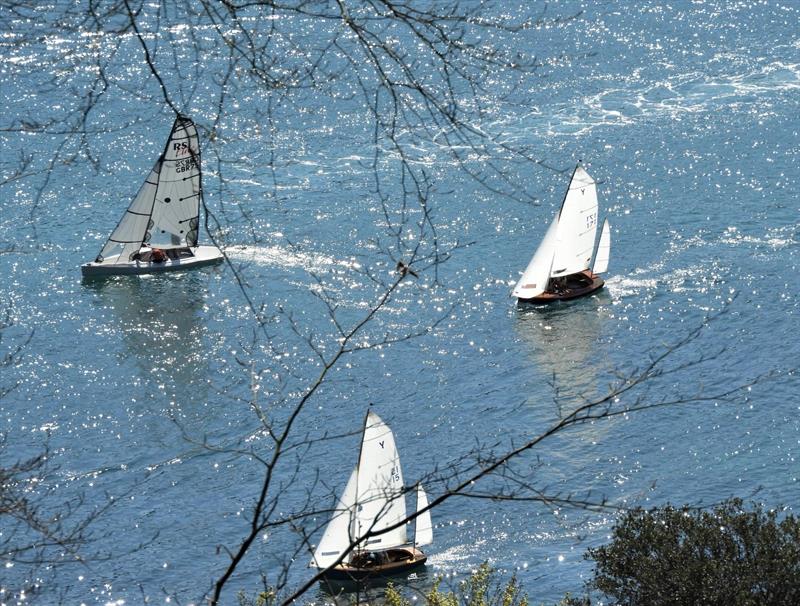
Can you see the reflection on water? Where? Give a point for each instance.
(561, 340)
(697, 138)
(419, 582)
(159, 318)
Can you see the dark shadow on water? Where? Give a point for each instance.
(419, 581)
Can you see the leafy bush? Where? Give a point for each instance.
(480, 589)
(728, 555)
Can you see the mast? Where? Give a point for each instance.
(355, 533)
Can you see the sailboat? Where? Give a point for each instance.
(369, 516)
(562, 268)
(159, 231)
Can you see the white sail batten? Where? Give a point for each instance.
(535, 277)
(603, 250)
(423, 534)
(380, 497)
(577, 226)
(336, 538)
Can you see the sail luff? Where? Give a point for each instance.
(566, 193)
(603, 253)
(352, 528)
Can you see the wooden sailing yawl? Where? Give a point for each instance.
(367, 515)
(159, 231)
(560, 266)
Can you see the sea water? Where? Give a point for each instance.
(146, 390)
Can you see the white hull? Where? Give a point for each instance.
(203, 255)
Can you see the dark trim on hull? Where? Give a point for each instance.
(578, 285)
(98, 270)
(344, 573)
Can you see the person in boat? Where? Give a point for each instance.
(158, 256)
(558, 285)
(371, 559)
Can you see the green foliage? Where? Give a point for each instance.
(268, 597)
(729, 556)
(392, 597)
(568, 600)
(481, 589)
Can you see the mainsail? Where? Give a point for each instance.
(380, 500)
(577, 226)
(165, 211)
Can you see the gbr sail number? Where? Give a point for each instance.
(181, 166)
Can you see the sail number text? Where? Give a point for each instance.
(181, 166)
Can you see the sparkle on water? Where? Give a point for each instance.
(685, 112)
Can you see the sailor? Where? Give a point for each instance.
(158, 256)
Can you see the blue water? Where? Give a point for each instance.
(687, 114)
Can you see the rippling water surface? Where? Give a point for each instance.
(688, 116)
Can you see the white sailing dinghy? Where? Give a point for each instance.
(159, 231)
(372, 502)
(560, 267)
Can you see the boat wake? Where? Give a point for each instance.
(286, 257)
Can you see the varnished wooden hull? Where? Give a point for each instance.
(408, 559)
(578, 285)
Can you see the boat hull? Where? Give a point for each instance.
(203, 255)
(578, 285)
(402, 560)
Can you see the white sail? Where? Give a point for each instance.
(535, 277)
(128, 236)
(337, 533)
(380, 500)
(423, 534)
(177, 200)
(577, 226)
(165, 211)
(603, 250)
